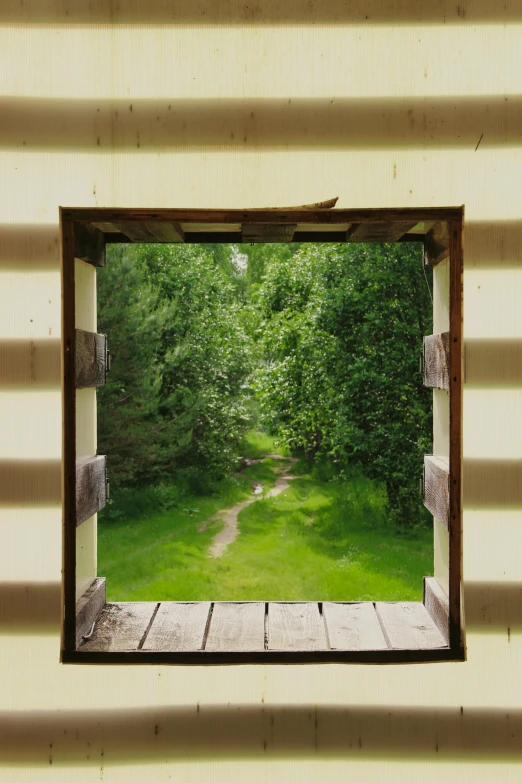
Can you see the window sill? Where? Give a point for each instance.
(259, 632)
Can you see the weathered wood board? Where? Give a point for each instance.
(408, 626)
(237, 626)
(437, 603)
(436, 244)
(436, 350)
(88, 608)
(91, 488)
(436, 488)
(178, 626)
(89, 244)
(120, 627)
(258, 232)
(379, 231)
(150, 231)
(91, 359)
(353, 627)
(295, 627)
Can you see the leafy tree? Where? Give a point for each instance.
(177, 394)
(342, 332)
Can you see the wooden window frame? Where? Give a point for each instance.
(84, 234)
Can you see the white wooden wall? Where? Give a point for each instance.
(243, 105)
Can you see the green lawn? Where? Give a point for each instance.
(319, 540)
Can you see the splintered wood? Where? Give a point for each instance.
(91, 487)
(436, 361)
(91, 359)
(436, 488)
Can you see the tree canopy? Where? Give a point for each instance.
(327, 337)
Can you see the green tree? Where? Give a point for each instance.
(341, 331)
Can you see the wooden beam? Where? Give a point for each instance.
(408, 626)
(237, 626)
(121, 627)
(88, 608)
(353, 627)
(379, 231)
(436, 489)
(455, 448)
(91, 359)
(89, 244)
(68, 643)
(178, 626)
(436, 348)
(325, 216)
(262, 232)
(436, 602)
(436, 244)
(295, 627)
(91, 487)
(151, 231)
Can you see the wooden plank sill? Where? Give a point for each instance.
(258, 629)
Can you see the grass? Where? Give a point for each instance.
(321, 539)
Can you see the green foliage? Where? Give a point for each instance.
(341, 332)
(178, 389)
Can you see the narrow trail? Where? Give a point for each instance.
(230, 531)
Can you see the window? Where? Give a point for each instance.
(206, 633)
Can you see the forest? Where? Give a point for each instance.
(264, 421)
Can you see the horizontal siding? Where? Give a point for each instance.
(342, 67)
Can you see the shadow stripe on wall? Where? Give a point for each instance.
(26, 607)
(30, 363)
(106, 737)
(273, 12)
(30, 607)
(26, 482)
(336, 123)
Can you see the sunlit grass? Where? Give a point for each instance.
(319, 540)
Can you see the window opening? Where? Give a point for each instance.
(311, 309)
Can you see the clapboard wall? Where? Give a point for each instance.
(156, 104)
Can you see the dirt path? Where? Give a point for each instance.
(230, 515)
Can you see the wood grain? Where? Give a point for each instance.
(455, 455)
(353, 627)
(120, 627)
(151, 231)
(91, 490)
(91, 359)
(295, 627)
(89, 244)
(68, 435)
(437, 605)
(262, 232)
(88, 608)
(283, 215)
(436, 348)
(178, 626)
(436, 244)
(408, 626)
(379, 231)
(436, 488)
(237, 626)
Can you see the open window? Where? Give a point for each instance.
(239, 632)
